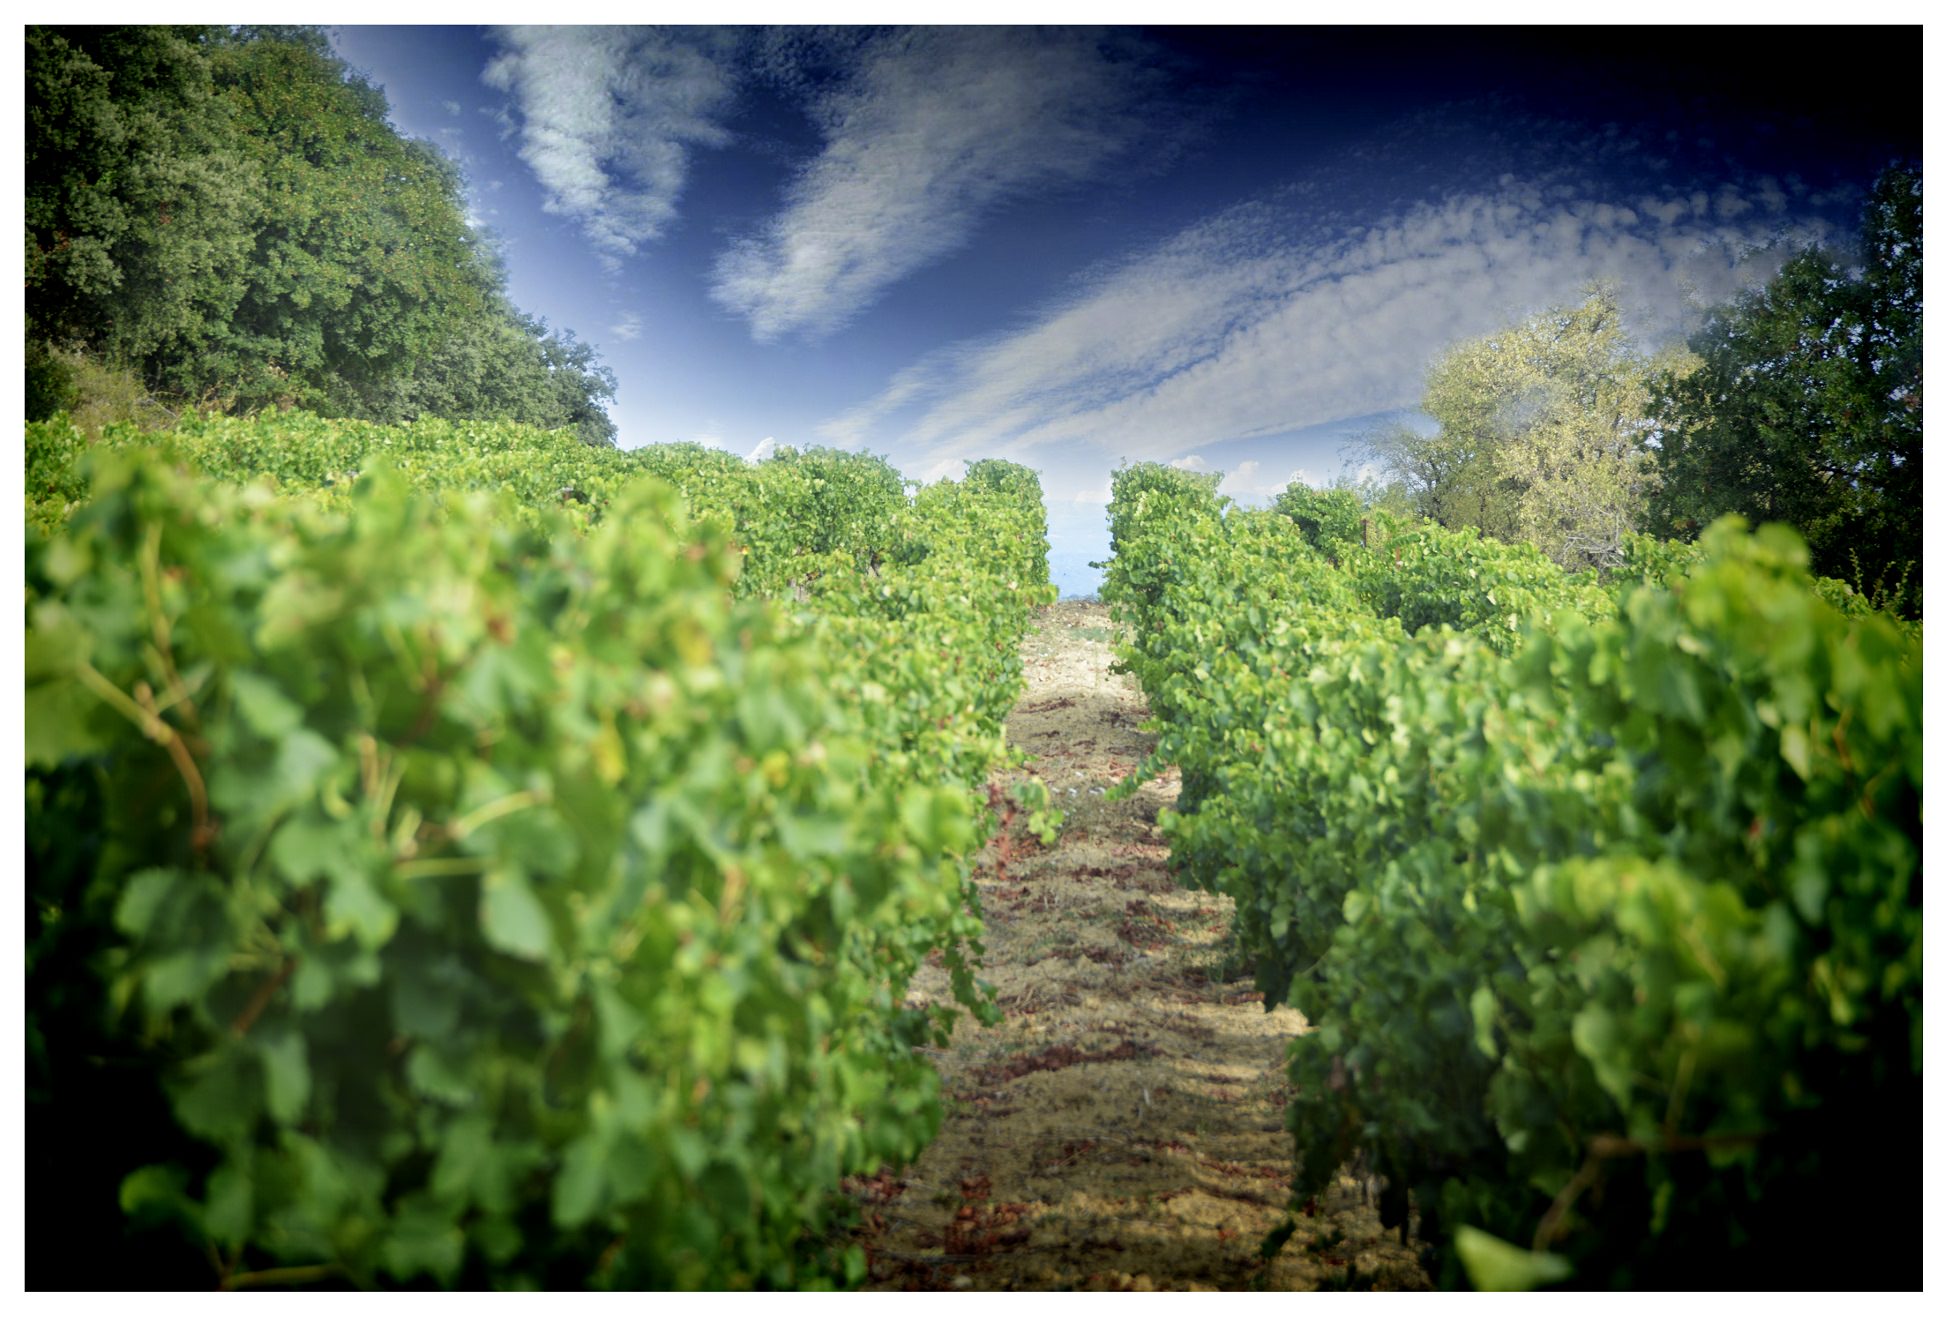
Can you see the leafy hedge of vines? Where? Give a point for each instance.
(455, 857)
(1604, 900)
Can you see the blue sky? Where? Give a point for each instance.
(1236, 249)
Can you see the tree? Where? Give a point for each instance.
(1807, 406)
(363, 257)
(507, 366)
(576, 381)
(1542, 435)
(1444, 475)
(140, 201)
(229, 215)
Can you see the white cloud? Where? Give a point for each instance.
(1261, 320)
(1729, 202)
(607, 118)
(452, 108)
(763, 449)
(1242, 481)
(930, 131)
(946, 468)
(1668, 211)
(627, 328)
(1249, 483)
(1101, 496)
(1192, 462)
(854, 427)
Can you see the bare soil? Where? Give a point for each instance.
(1122, 1129)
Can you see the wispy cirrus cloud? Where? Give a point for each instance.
(1262, 320)
(925, 134)
(607, 118)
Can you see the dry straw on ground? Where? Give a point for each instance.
(1122, 1129)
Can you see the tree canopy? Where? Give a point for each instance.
(1542, 434)
(1807, 406)
(229, 214)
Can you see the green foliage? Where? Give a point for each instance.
(1020, 486)
(940, 633)
(317, 460)
(230, 215)
(436, 879)
(93, 395)
(362, 253)
(1448, 475)
(1332, 521)
(1032, 797)
(1492, 1264)
(140, 199)
(1607, 922)
(1428, 576)
(1543, 435)
(505, 365)
(1807, 407)
(1654, 562)
(55, 484)
(51, 386)
(1552, 414)
(831, 502)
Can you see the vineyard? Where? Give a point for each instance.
(460, 856)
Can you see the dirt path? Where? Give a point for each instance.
(1122, 1129)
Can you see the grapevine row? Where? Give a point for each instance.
(456, 856)
(1603, 900)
